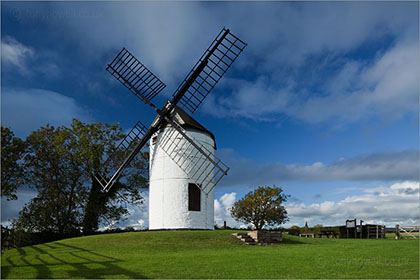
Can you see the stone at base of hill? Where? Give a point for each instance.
(264, 236)
(260, 237)
(245, 238)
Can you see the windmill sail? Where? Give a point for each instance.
(201, 165)
(128, 148)
(194, 159)
(135, 76)
(216, 59)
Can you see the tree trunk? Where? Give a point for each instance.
(262, 224)
(257, 225)
(93, 208)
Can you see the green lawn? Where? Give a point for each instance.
(211, 254)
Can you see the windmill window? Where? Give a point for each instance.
(194, 198)
(154, 140)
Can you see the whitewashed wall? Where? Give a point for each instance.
(168, 205)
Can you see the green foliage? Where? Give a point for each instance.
(92, 143)
(317, 229)
(12, 171)
(59, 179)
(211, 254)
(60, 164)
(261, 207)
(294, 230)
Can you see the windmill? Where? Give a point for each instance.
(183, 169)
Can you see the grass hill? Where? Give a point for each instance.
(211, 254)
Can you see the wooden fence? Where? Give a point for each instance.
(11, 238)
(375, 231)
(411, 232)
(8, 238)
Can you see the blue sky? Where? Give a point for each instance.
(323, 101)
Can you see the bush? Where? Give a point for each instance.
(318, 229)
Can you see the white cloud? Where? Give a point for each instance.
(292, 48)
(168, 38)
(385, 166)
(111, 225)
(282, 36)
(25, 110)
(27, 61)
(293, 32)
(228, 199)
(222, 210)
(16, 55)
(139, 214)
(389, 205)
(386, 87)
(396, 204)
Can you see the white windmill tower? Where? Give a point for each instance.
(176, 201)
(183, 168)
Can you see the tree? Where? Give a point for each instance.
(261, 207)
(58, 180)
(12, 171)
(91, 144)
(60, 165)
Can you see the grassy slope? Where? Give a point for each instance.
(211, 254)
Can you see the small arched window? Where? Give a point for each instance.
(194, 197)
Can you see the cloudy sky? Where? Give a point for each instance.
(324, 100)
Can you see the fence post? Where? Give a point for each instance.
(397, 231)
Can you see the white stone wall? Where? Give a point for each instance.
(168, 193)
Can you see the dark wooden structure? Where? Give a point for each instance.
(375, 231)
(364, 231)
